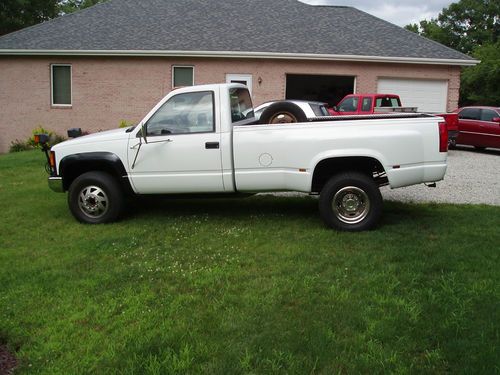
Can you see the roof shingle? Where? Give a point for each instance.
(277, 26)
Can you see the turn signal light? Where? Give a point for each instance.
(52, 161)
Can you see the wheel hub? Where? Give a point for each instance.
(350, 202)
(93, 201)
(351, 205)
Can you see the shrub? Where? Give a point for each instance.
(125, 124)
(53, 137)
(17, 146)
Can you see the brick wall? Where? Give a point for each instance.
(108, 90)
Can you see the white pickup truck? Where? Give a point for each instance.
(204, 139)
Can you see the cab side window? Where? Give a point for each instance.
(241, 105)
(469, 114)
(366, 105)
(184, 114)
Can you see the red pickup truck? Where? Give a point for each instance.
(365, 104)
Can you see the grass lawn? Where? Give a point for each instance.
(256, 285)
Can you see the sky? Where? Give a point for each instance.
(399, 12)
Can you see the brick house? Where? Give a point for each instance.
(114, 61)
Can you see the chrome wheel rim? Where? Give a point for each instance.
(93, 202)
(283, 118)
(351, 205)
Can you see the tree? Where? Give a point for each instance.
(480, 84)
(17, 14)
(463, 25)
(471, 27)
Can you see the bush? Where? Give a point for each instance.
(17, 146)
(53, 137)
(125, 124)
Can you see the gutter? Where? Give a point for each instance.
(240, 55)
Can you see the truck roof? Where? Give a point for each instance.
(209, 87)
(375, 95)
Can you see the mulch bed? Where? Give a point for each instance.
(7, 361)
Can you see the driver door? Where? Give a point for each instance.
(182, 153)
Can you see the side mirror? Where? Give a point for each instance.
(144, 132)
(74, 132)
(335, 108)
(496, 119)
(41, 139)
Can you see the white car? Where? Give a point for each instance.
(289, 112)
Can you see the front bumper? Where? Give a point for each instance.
(56, 184)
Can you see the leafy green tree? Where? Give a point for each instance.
(463, 25)
(17, 14)
(480, 84)
(471, 27)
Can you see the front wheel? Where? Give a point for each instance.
(350, 202)
(95, 198)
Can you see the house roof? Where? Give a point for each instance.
(252, 28)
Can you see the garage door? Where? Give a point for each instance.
(427, 95)
(323, 88)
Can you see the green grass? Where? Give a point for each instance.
(248, 286)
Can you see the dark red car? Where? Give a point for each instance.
(479, 127)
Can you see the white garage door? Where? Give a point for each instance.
(427, 95)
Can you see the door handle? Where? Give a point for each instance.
(211, 145)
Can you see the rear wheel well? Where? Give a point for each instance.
(327, 168)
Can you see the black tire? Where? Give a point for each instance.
(95, 198)
(350, 201)
(452, 144)
(282, 113)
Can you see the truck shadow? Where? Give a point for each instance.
(268, 208)
(235, 208)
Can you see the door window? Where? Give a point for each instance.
(184, 114)
(349, 105)
(469, 114)
(488, 115)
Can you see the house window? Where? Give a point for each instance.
(182, 76)
(61, 84)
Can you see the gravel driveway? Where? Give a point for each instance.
(472, 177)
